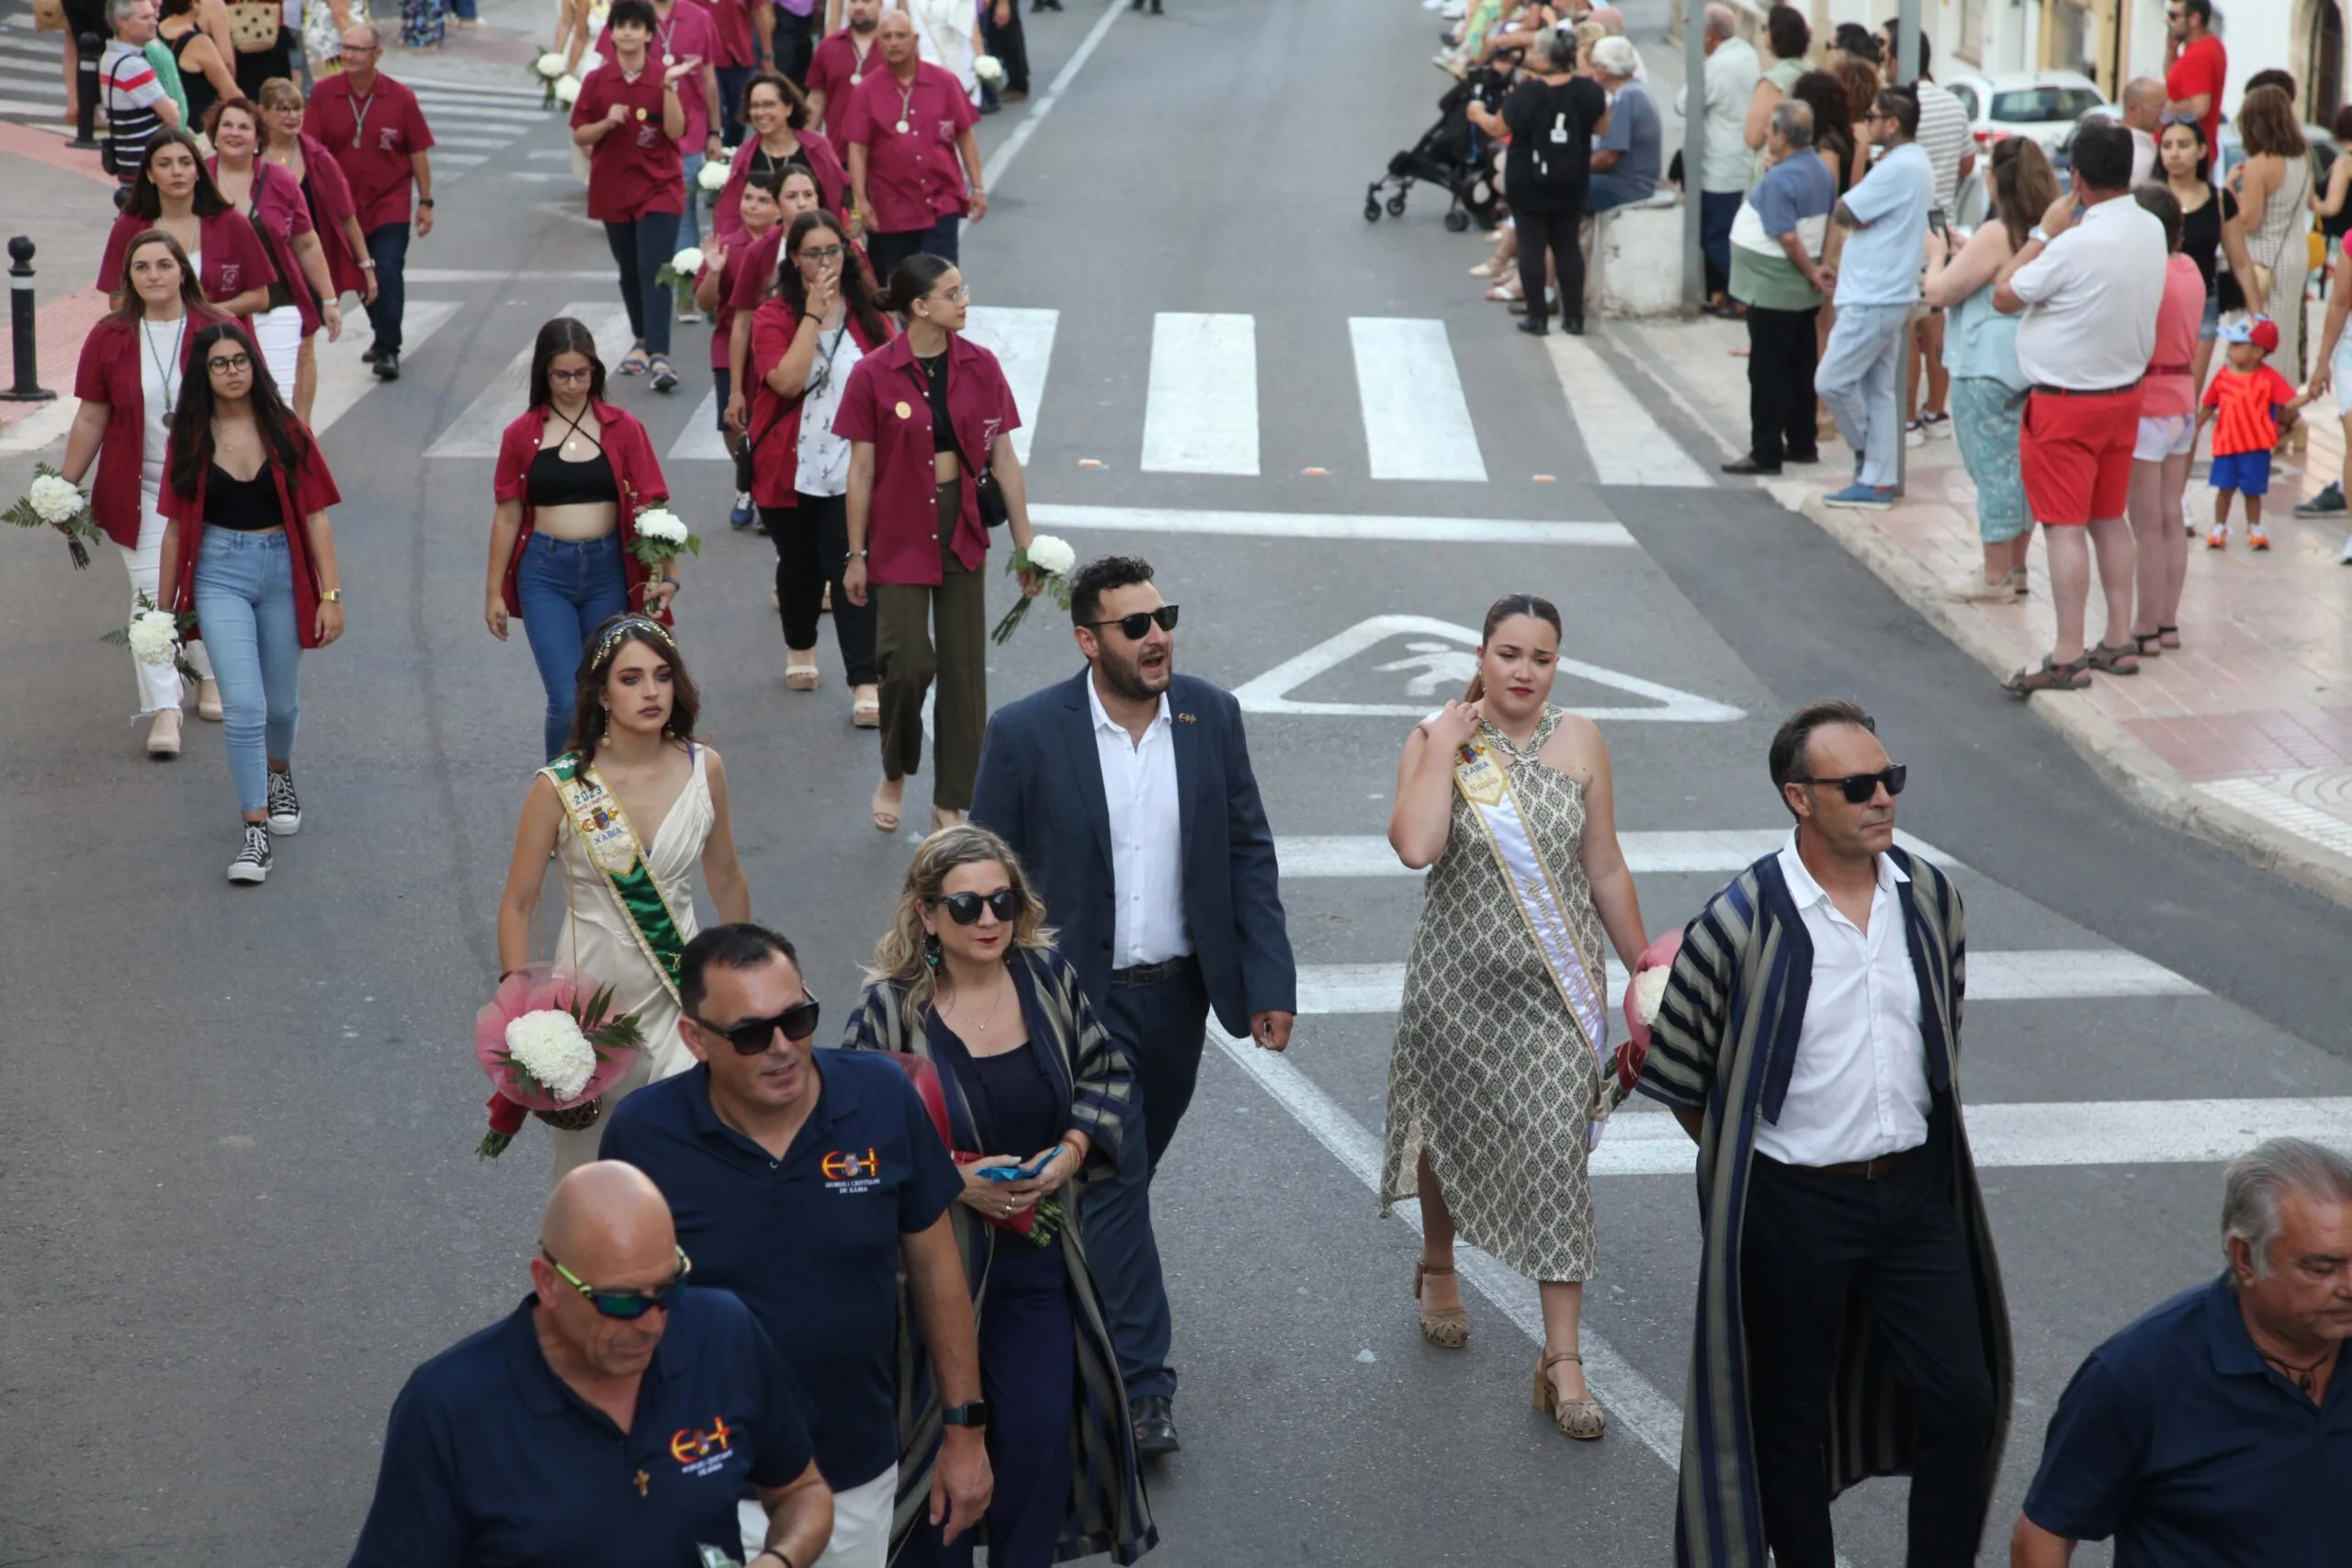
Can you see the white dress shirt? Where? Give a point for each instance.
(1147, 837)
(1729, 84)
(2091, 299)
(1859, 1090)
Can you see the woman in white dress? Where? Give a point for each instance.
(948, 34)
(629, 809)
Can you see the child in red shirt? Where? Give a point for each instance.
(2248, 404)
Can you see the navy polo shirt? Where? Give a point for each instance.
(2175, 1439)
(811, 1242)
(491, 1461)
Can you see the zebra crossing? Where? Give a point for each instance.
(32, 81)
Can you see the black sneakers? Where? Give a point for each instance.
(285, 807)
(251, 864)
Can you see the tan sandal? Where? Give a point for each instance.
(886, 817)
(207, 700)
(865, 707)
(1448, 1328)
(1578, 1418)
(799, 677)
(164, 735)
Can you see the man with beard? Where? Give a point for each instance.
(1127, 793)
(842, 62)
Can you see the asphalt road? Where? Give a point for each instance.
(237, 1197)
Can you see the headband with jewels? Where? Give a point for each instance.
(623, 628)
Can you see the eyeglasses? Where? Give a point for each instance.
(755, 1036)
(1137, 626)
(820, 253)
(350, 50)
(1860, 789)
(586, 372)
(627, 1306)
(960, 291)
(231, 361)
(963, 909)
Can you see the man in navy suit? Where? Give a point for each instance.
(1127, 791)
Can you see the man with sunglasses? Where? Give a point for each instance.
(2200, 68)
(613, 1420)
(803, 1180)
(1809, 1040)
(1127, 793)
(1878, 285)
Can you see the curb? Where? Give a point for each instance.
(2128, 766)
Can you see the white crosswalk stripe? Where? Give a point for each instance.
(1201, 407)
(1416, 421)
(1022, 342)
(1627, 446)
(475, 433)
(1702, 853)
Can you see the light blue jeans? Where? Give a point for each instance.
(1859, 381)
(244, 607)
(690, 221)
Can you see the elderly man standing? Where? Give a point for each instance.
(1878, 285)
(1776, 272)
(1628, 158)
(2144, 113)
(1732, 71)
(136, 105)
(610, 1421)
(908, 125)
(2089, 280)
(2217, 1428)
(1809, 1040)
(377, 132)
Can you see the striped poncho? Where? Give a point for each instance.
(1722, 1048)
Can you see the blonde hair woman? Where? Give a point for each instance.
(968, 978)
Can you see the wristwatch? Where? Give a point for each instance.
(331, 596)
(425, 201)
(975, 1415)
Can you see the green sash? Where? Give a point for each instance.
(613, 849)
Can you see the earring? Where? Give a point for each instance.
(930, 951)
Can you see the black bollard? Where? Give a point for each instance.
(22, 329)
(85, 114)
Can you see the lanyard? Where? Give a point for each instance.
(163, 369)
(907, 101)
(360, 110)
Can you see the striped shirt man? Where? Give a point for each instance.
(1945, 138)
(129, 90)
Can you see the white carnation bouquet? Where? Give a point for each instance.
(54, 502)
(988, 70)
(548, 70)
(567, 89)
(660, 537)
(155, 637)
(552, 1042)
(678, 273)
(712, 176)
(1053, 561)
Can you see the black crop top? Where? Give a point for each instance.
(934, 380)
(245, 506)
(553, 481)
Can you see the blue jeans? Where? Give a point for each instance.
(464, 10)
(690, 221)
(388, 248)
(641, 249)
(733, 80)
(1607, 190)
(886, 251)
(244, 606)
(567, 589)
(1860, 381)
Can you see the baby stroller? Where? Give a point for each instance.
(1454, 154)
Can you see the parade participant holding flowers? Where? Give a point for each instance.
(174, 193)
(781, 140)
(1033, 1097)
(628, 115)
(628, 807)
(134, 365)
(807, 342)
(335, 215)
(751, 278)
(248, 547)
(920, 415)
(1497, 1078)
(717, 285)
(303, 299)
(575, 477)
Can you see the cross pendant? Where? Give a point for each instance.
(643, 1481)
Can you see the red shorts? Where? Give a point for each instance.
(2075, 453)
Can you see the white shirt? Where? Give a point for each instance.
(1859, 1089)
(822, 456)
(1147, 837)
(159, 387)
(1730, 82)
(2091, 299)
(2143, 156)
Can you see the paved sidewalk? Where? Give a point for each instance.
(2242, 734)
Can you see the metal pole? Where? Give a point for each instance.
(23, 329)
(1906, 70)
(85, 111)
(1694, 147)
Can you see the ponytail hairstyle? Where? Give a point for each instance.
(912, 279)
(857, 294)
(282, 436)
(1502, 610)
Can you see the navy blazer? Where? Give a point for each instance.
(1041, 788)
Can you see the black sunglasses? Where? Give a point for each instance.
(1134, 628)
(1859, 789)
(626, 1305)
(755, 1036)
(963, 909)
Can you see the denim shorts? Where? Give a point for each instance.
(2211, 327)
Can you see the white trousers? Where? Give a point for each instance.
(159, 685)
(279, 333)
(861, 1525)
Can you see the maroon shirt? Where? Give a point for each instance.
(775, 420)
(110, 374)
(731, 20)
(689, 32)
(309, 489)
(371, 136)
(886, 403)
(280, 216)
(836, 71)
(328, 195)
(635, 169)
(824, 166)
(913, 177)
(233, 258)
(634, 469)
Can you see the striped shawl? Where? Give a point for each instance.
(1107, 1509)
(1723, 1046)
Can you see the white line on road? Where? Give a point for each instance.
(461, 160)
(1416, 421)
(476, 432)
(1022, 342)
(345, 378)
(1200, 415)
(700, 439)
(1646, 853)
(992, 173)
(1627, 446)
(1353, 526)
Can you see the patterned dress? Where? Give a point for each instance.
(1492, 1075)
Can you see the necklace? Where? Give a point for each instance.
(2304, 1378)
(359, 108)
(996, 1004)
(907, 104)
(164, 369)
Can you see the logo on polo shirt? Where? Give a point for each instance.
(702, 1453)
(846, 1171)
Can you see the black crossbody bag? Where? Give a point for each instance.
(993, 514)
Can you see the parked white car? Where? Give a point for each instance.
(2044, 104)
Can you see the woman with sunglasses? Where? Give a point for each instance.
(303, 299)
(334, 216)
(249, 548)
(932, 469)
(807, 342)
(628, 807)
(174, 193)
(1494, 1082)
(573, 472)
(966, 977)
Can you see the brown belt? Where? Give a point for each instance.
(2087, 391)
(2183, 368)
(1867, 1169)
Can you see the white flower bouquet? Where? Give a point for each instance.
(154, 637)
(567, 89)
(548, 70)
(1053, 561)
(712, 176)
(552, 1044)
(989, 70)
(660, 537)
(53, 501)
(678, 273)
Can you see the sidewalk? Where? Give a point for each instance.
(2242, 734)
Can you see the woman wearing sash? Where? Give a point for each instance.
(1496, 1071)
(628, 809)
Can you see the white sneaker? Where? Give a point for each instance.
(285, 807)
(2345, 558)
(1972, 589)
(251, 864)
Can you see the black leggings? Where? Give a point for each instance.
(812, 550)
(1559, 230)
